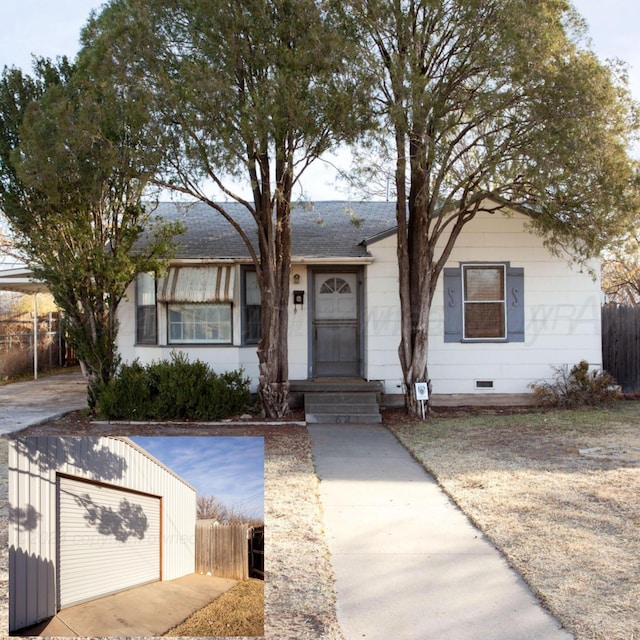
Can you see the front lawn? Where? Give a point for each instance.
(559, 494)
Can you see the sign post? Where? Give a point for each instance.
(422, 394)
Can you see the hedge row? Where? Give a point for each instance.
(173, 389)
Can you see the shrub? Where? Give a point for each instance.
(127, 396)
(174, 389)
(576, 387)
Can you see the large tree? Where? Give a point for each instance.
(491, 104)
(74, 168)
(252, 91)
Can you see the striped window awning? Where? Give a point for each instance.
(197, 284)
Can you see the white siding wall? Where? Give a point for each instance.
(562, 314)
(562, 319)
(299, 327)
(219, 358)
(33, 464)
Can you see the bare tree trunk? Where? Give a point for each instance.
(275, 252)
(414, 260)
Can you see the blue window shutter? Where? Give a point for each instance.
(452, 305)
(515, 304)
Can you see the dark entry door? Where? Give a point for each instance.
(336, 334)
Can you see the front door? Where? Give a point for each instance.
(336, 325)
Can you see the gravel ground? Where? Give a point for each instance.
(299, 588)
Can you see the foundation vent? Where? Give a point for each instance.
(484, 384)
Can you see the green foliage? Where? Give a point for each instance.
(76, 159)
(486, 105)
(174, 389)
(255, 91)
(576, 387)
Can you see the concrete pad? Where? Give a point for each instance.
(407, 562)
(32, 402)
(150, 610)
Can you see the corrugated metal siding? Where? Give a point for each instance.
(108, 540)
(33, 465)
(198, 284)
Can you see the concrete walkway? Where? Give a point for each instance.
(150, 610)
(32, 402)
(408, 563)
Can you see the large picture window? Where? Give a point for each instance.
(146, 317)
(484, 301)
(252, 309)
(200, 323)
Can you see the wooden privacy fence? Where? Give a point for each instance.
(234, 551)
(621, 345)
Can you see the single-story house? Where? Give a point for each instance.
(505, 313)
(90, 516)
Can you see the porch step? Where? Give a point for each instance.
(338, 407)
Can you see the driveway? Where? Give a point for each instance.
(150, 610)
(26, 403)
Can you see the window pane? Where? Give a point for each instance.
(484, 283)
(252, 323)
(146, 328)
(251, 288)
(252, 309)
(200, 323)
(484, 320)
(484, 301)
(146, 289)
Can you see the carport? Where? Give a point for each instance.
(20, 280)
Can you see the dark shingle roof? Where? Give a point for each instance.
(320, 229)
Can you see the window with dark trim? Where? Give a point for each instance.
(146, 315)
(251, 308)
(484, 302)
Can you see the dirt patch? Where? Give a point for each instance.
(568, 522)
(238, 612)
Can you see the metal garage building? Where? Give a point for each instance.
(89, 517)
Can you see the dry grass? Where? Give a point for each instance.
(568, 521)
(238, 612)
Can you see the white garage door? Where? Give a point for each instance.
(108, 540)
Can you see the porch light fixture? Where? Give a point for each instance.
(296, 278)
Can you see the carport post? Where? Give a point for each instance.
(35, 336)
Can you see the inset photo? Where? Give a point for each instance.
(140, 536)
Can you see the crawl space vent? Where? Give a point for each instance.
(484, 384)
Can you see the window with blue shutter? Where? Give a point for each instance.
(484, 302)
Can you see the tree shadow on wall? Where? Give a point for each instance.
(127, 522)
(25, 519)
(85, 453)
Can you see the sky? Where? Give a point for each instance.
(231, 468)
(51, 28)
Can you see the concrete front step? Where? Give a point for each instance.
(340, 407)
(334, 407)
(341, 418)
(341, 398)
